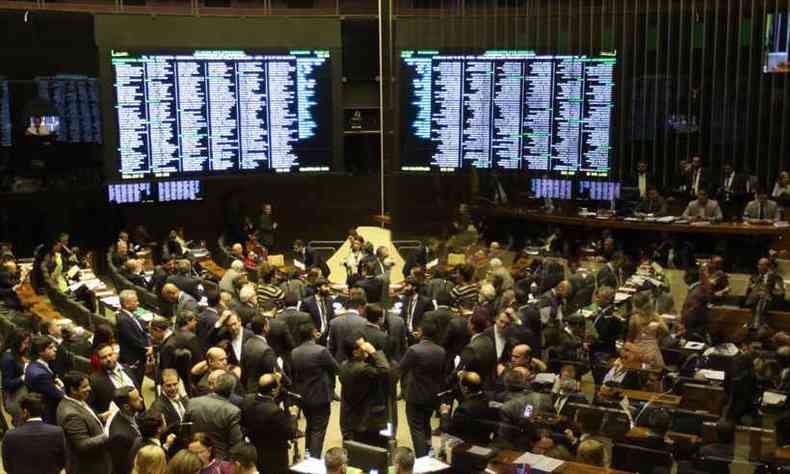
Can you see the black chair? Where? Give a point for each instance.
(639, 460)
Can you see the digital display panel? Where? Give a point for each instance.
(161, 191)
(130, 193)
(599, 190)
(551, 188)
(75, 100)
(5, 114)
(220, 112)
(506, 110)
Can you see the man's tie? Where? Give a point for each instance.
(322, 313)
(412, 304)
(179, 409)
(762, 211)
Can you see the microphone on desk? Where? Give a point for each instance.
(293, 395)
(445, 393)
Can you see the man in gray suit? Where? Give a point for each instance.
(180, 299)
(214, 415)
(703, 209)
(86, 442)
(761, 209)
(313, 370)
(423, 372)
(345, 325)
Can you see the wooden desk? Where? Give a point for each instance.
(210, 266)
(728, 321)
(506, 457)
(657, 398)
(776, 234)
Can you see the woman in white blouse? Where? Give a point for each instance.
(782, 185)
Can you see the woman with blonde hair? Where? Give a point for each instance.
(184, 462)
(150, 460)
(646, 329)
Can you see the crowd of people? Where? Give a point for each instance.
(496, 355)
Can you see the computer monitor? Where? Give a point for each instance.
(551, 188)
(599, 190)
(366, 457)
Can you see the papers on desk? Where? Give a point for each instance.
(547, 378)
(430, 265)
(112, 301)
(715, 375)
(310, 466)
(199, 252)
(666, 219)
(90, 284)
(299, 265)
(773, 398)
(428, 464)
(72, 272)
(694, 346)
(700, 223)
(539, 462)
(480, 451)
(620, 297)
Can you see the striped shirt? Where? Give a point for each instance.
(269, 296)
(464, 296)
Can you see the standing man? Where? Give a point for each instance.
(414, 305)
(259, 357)
(170, 403)
(123, 432)
(314, 368)
(34, 447)
(363, 377)
(268, 426)
(108, 378)
(320, 308)
(40, 379)
(480, 354)
(698, 177)
(266, 227)
(218, 418)
(134, 341)
(344, 326)
(86, 441)
(422, 371)
(230, 330)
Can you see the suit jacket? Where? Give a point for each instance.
(609, 329)
(280, 338)
(377, 337)
(607, 276)
(510, 343)
(711, 211)
(397, 336)
(269, 429)
(34, 447)
(165, 407)
(421, 305)
(771, 210)
(185, 302)
(222, 337)
(136, 279)
(123, 437)
(158, 279)
(310, 306)
(480, 356)
(245, 312)
(373, 286)
(294, 319)
(313, 369)
(179, 340)
(40, 379)
(226, 282)
(583, 284)
(474, 420)
(86, 442)
(632, 181)
(441, 317)
(188, 284)
(704, 181)
(132, 339)
(219, 419)
(737, 189)
(103, 390)
(206, 321)
(423, 370)
(658, 207)
(341, 330)
(363, 386)
(259, 358)
(310, 258)
(694, 314)
(12, 371)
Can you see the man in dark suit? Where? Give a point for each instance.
(132, 271)
(123, 431)
(207, 318)
(214, 415)
(109, 377)
(370, 282)
(173, 347)
(86, 441)
(372, 331)
(40, 379)
(161, 273)
(320, 308)
(609, 274)
(422, 372)
(607, 327)
(345, 325)
(34, 447)
(364, 381)
(652, 203)
(268, 426)
(424, 254)
(246, 307)
(309, 257)
(152, 429)
(259, 357)
(134, 341)
(698, 178)
(313, 369)
(501, 335)
(291, 316)
(413, 305)
(479, 355)
(694, 314)
(229, 333)
(734, 186)
(183, 279)
(170, 403)
(642, 180)
(473, 419)
(397, 335)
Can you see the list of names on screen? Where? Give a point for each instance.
(76, 102)
(211, 112)
(511, 110)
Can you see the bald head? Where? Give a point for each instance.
(268, 384)
(520, 355)
(237, 249)
(763, 265)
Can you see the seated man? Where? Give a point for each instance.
(762, 209)
(703, 209)
(473, 420)
(652, 204)
(621, 374)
